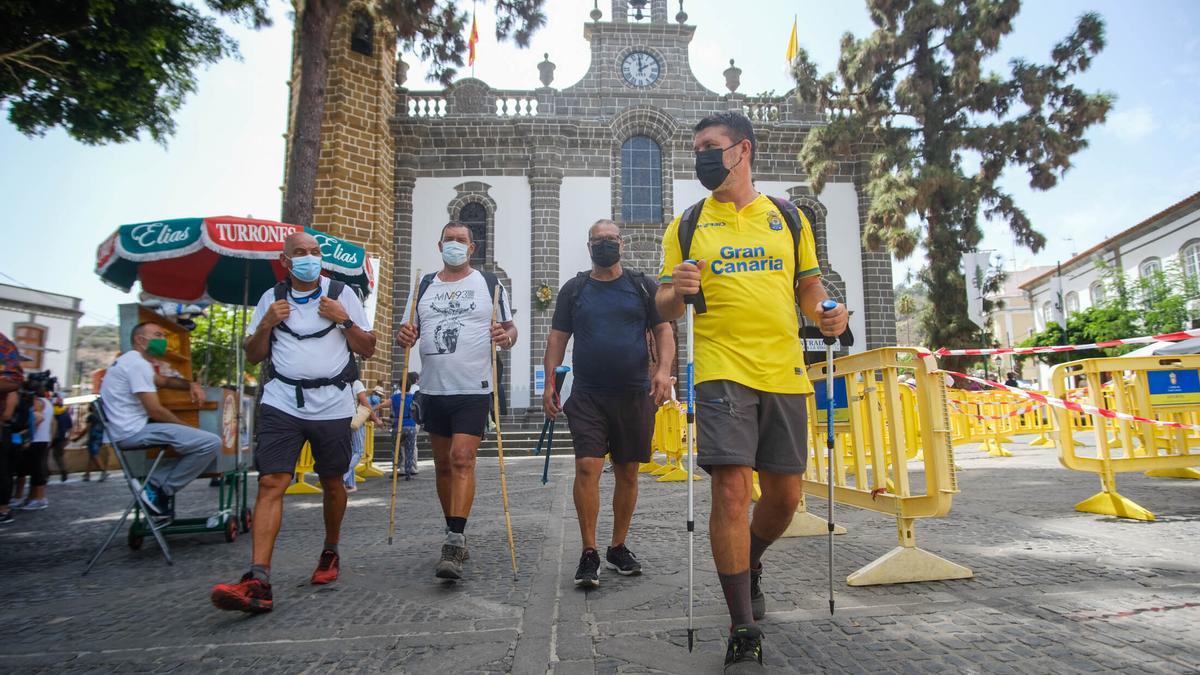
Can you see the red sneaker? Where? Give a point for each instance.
(248, 595)
(327, 568)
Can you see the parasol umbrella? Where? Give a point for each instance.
(221, 259)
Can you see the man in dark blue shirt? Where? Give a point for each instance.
(609, 311)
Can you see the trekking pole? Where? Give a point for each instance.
(829, 342)
(512, 547)
(560, 375)
(412, 311)
(692, 304)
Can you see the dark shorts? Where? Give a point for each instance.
(456, 414)
(281, 437)
(618, 424)
(737, 425)
(31, 461)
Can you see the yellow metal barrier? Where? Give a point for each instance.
(1158, 387)
(673, 417)
(304, 466)
(877, 483)
(366, 466)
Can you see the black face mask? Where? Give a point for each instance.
(710, 167)
(606, 252)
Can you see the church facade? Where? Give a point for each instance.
(529, 171)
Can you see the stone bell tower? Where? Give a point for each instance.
(354, 194)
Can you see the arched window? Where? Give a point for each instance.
(641, 181)
(1190, 259)
(1047, 314)
(362, 33)
(1072, 302)
(31, 340)
(1097, 292)
(1149, 267)
(474, 215)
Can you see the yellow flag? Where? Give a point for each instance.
(793, 45)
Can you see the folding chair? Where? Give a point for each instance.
(134, 483)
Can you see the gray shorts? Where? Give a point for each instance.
(737, 425)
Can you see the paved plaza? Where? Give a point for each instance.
(1054, 591)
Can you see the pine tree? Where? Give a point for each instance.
(937, 132)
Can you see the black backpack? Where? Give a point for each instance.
(639, 282)
(691, 217)
(348, 375)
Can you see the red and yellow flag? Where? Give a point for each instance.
(471, 42)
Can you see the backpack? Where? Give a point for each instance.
(639, 282)
(348, 375)
(691, 217)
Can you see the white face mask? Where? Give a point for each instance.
(454, 253)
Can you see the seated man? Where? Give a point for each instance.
(130, 397)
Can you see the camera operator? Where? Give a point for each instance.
(12, 376)
(33, 459)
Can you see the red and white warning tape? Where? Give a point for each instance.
(1015, 413)
(1086, 408)
(1165, 337)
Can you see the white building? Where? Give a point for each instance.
(1169, 237)
(42, 324)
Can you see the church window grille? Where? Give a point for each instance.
(641, 181)
(474, 215)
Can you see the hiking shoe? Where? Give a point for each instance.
(587, 575)
(622, 560)
(248, 595)
(34, 505)
(6, 517)
(744, 655)
(758, 601)
(466, 551)
(454, 552)
(327, 568)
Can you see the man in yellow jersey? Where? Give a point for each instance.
(750, 378)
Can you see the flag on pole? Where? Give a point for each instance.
(471, 42)
(793, 44)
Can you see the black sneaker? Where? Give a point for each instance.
(587, 574)
(453, 553)
(758, 601)
(744, 655)
(622, 560)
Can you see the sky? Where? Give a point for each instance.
(61, 198)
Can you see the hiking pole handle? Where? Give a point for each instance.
(696, 300)
(827, 305)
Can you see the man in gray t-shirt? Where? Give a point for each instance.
(456, 337)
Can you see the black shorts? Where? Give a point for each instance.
(619, 424)
(31, 462)
(281, 437)
(456, 414)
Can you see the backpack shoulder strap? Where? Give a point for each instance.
(280, 290)
(687, 228)
(492, 282)
(791, 216)
(335, 288)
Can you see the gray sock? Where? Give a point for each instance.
(757, 547)
(456, 539)
(737, 596)
(261, 573)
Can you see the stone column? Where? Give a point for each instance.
(402, 255)
(879, 297)
(545, 185)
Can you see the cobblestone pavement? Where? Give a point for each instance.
(1054, 590)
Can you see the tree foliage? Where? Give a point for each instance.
(1149, 305)
(108, 70)
(938, 132)
(214, 346)
(435, 29)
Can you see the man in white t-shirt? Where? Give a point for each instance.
(136, 418)
(457, 336)
(308, 330)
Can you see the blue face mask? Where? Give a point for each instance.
(306, 267)
(454, 253)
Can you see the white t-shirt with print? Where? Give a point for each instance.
(455, 319)
(310, 359)
(129, 376)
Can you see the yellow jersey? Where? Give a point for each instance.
(750, 333)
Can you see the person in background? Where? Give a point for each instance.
(359, 440)
(33, 461)
(62, 428)
(1010, 380)
(408, 428)
(95, 442)
(12, 376)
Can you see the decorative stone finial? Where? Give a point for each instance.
(682, 16)
(401, 72)
(546, 70)
(596, 13)
(733, 77)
